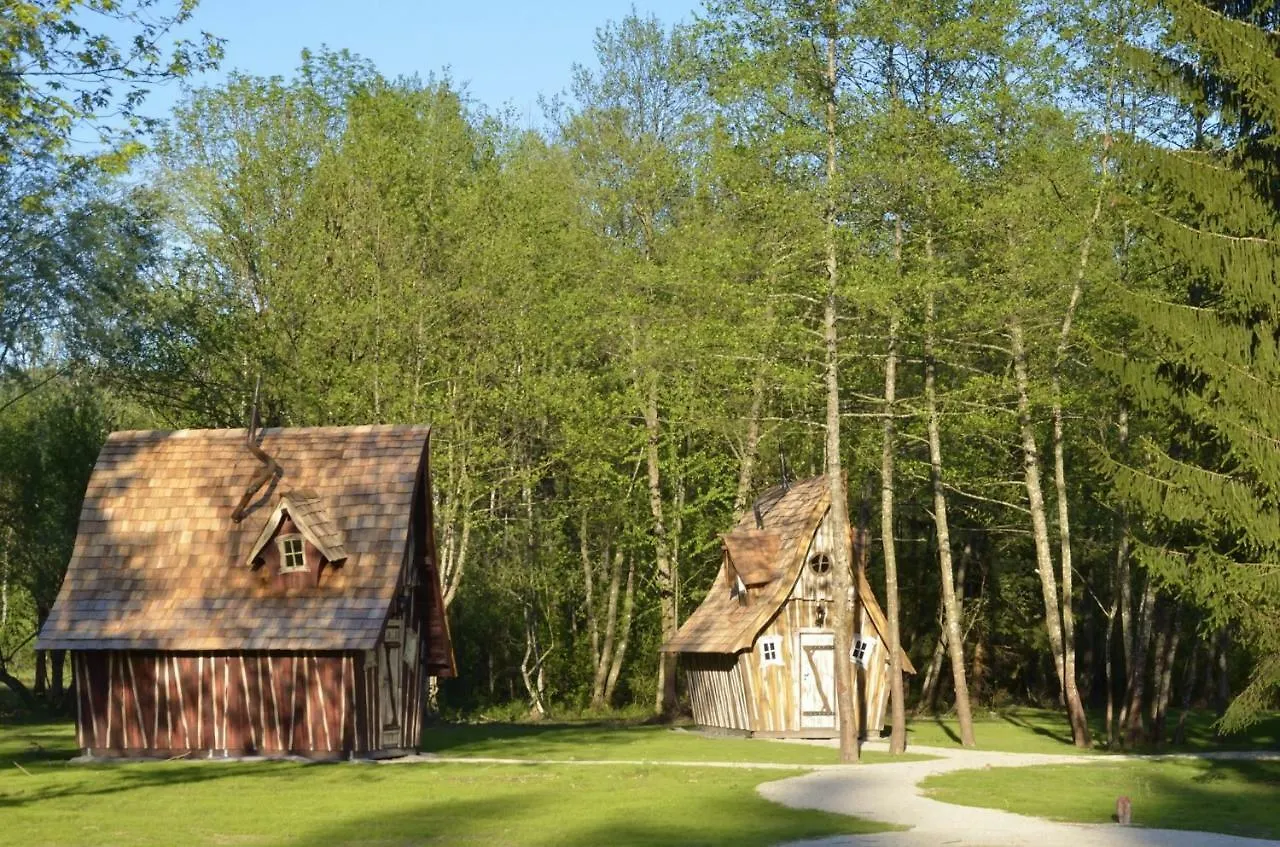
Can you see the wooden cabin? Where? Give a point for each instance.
(759, 653)
(268, 595)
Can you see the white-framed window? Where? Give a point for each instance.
(292, 553)
(864, 648)
(770, 651)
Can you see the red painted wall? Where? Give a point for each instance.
(233, 703)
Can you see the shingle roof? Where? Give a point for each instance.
(158, 562)
(307, 511)
(723, 625)
(753, 554)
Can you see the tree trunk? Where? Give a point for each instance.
(1158, 655)
(950, 603)
(1164, 686)
(1188, 693)
(605, 657)
(750, 443)
(929, 687)
(589, 596)
(898, 712)
(1223, 695)
(531, 664)
(624, 632)
(40, 687)
(456, 525)
(15, 685)
(847, 711)
(1040, 533)
(58, 658)
(664, 566)
(1138, 672)
(1079, 721)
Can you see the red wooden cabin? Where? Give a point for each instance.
(303, 620)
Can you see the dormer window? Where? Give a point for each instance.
(292, 553)
(298, 522)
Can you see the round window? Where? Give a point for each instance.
(820, 562)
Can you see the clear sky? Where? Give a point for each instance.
(505, 52)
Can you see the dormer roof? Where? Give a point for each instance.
(753, 554)
(305, 508)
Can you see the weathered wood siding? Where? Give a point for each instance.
(149, 703)
(775, 704)
(717, 690)
(873, 682)
(812, 585)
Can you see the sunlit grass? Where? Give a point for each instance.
(1026, 730)
(1235, 797)
(586, 741)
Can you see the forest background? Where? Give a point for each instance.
(1008, 267)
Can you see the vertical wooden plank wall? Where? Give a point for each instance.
(717, 691)
(225, 703)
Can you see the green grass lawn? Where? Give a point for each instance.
(1026, 730)
(582, 741)
(45, 800)
(1235, 797)
(288, 804)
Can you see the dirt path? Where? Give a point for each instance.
(891, 793)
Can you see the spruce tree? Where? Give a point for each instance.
(1208, 479)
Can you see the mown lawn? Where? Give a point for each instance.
(1026, 730)
(288, 804)
(1234, 797)
(46, 801)
(581, 741)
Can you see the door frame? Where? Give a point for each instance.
(828, 689)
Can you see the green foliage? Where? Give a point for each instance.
(1207, 477)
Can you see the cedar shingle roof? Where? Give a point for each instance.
(159, 564)
(753, 553)
(307, 511)
(722, 624)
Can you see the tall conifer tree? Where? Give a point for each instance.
(1209, 485)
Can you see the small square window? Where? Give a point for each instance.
(292, 555)
(770, 651)
(863, 650)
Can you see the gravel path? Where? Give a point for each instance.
(891, 793)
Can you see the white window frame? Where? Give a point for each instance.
(868, 645)
(770, 651)
(282, 544)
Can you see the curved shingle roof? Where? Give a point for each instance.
(158, 561)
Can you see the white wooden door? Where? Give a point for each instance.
(817, 680)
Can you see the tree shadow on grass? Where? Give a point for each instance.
(549, 740)
(950, 733)
(1039, 729)
(1233, 796)
(547, 812)
(62, 781)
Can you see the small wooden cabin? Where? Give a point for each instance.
(272, 596)
(759, 652)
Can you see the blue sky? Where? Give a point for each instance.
(505, 52)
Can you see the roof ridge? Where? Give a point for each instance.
(238, 432)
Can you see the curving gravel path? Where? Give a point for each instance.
(891, 793)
